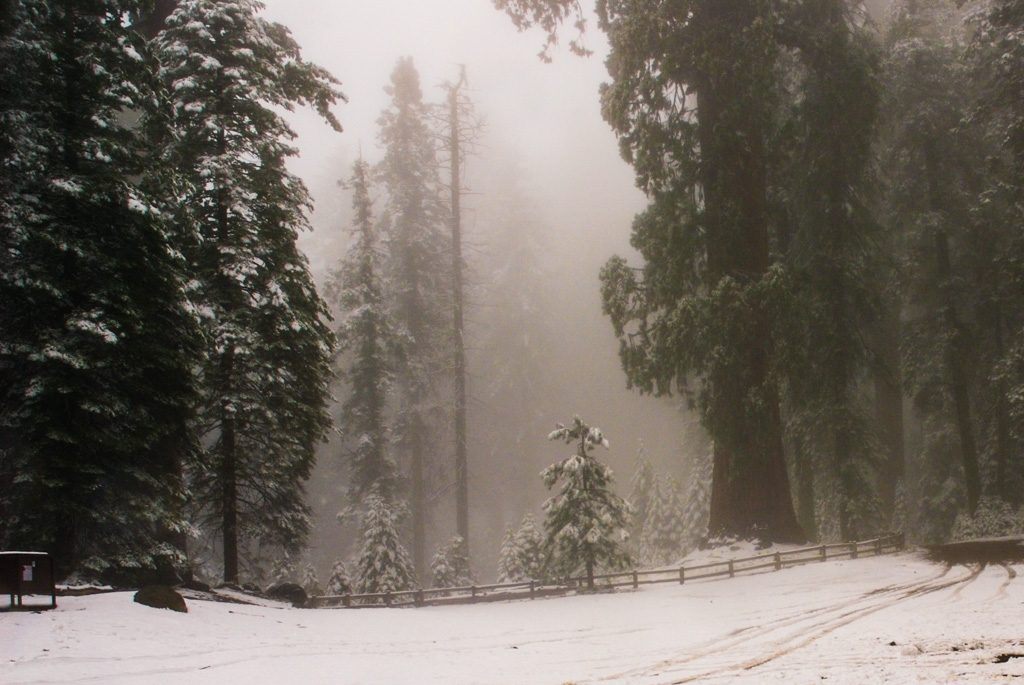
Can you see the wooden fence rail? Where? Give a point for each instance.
(775, 561)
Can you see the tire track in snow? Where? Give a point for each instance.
(807, 626)
(844, 614)
(956, 597)
(1001, 593)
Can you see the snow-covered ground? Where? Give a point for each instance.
(891, 619)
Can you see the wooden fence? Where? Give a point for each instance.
(771, 561)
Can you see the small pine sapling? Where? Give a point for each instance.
(522, 554)
(662, 539)
(339, 583)
(310, 582)
(587, 524)
(508, 558)
(697, 502)
(383, 564)
(530, 545)
(450, 566)
(282, 569)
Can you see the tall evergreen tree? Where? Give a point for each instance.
(96, 343)
(999, 59)
(828, 241)
(267, 367)
(368, 344)
(949, 215)
(693, 99)
(418, 274)
(461, 128)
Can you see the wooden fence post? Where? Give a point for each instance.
(532, 590)
(636, 580)
(853, 550)
(824, 553)
(682, 575)
(387, 598)
(778, 561)
(732, 571)
(347, 600)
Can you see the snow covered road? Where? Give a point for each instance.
(893, 619)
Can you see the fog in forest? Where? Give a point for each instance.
(545, 156)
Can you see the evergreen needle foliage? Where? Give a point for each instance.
(97, 344)
(450, 566)
(368, 346)
(586, 525)
(383, 565)
(267, 365)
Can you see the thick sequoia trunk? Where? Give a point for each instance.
(750, 485)
(889, 408)
(804, 475)
(750, 492)
(958, 343)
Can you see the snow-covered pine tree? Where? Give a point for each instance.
(450, 566)
(339, 583)
(383, 565)
(587, 524)
(530, 545)
(661, 541)
(697, 501)
(522, 553)
(310, 583)
(366, 341)
(508, 558)
(267, 368)
(97, 346)
(282, 569)
(641, 491)
(418, 274)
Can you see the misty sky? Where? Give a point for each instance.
(546, 114)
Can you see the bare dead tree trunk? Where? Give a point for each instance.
(459, 351)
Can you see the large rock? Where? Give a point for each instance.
(161, 597)
(290, 592)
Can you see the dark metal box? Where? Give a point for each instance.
(27, 573)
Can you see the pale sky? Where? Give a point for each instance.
(548, 115)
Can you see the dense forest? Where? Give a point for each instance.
(827, 282)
